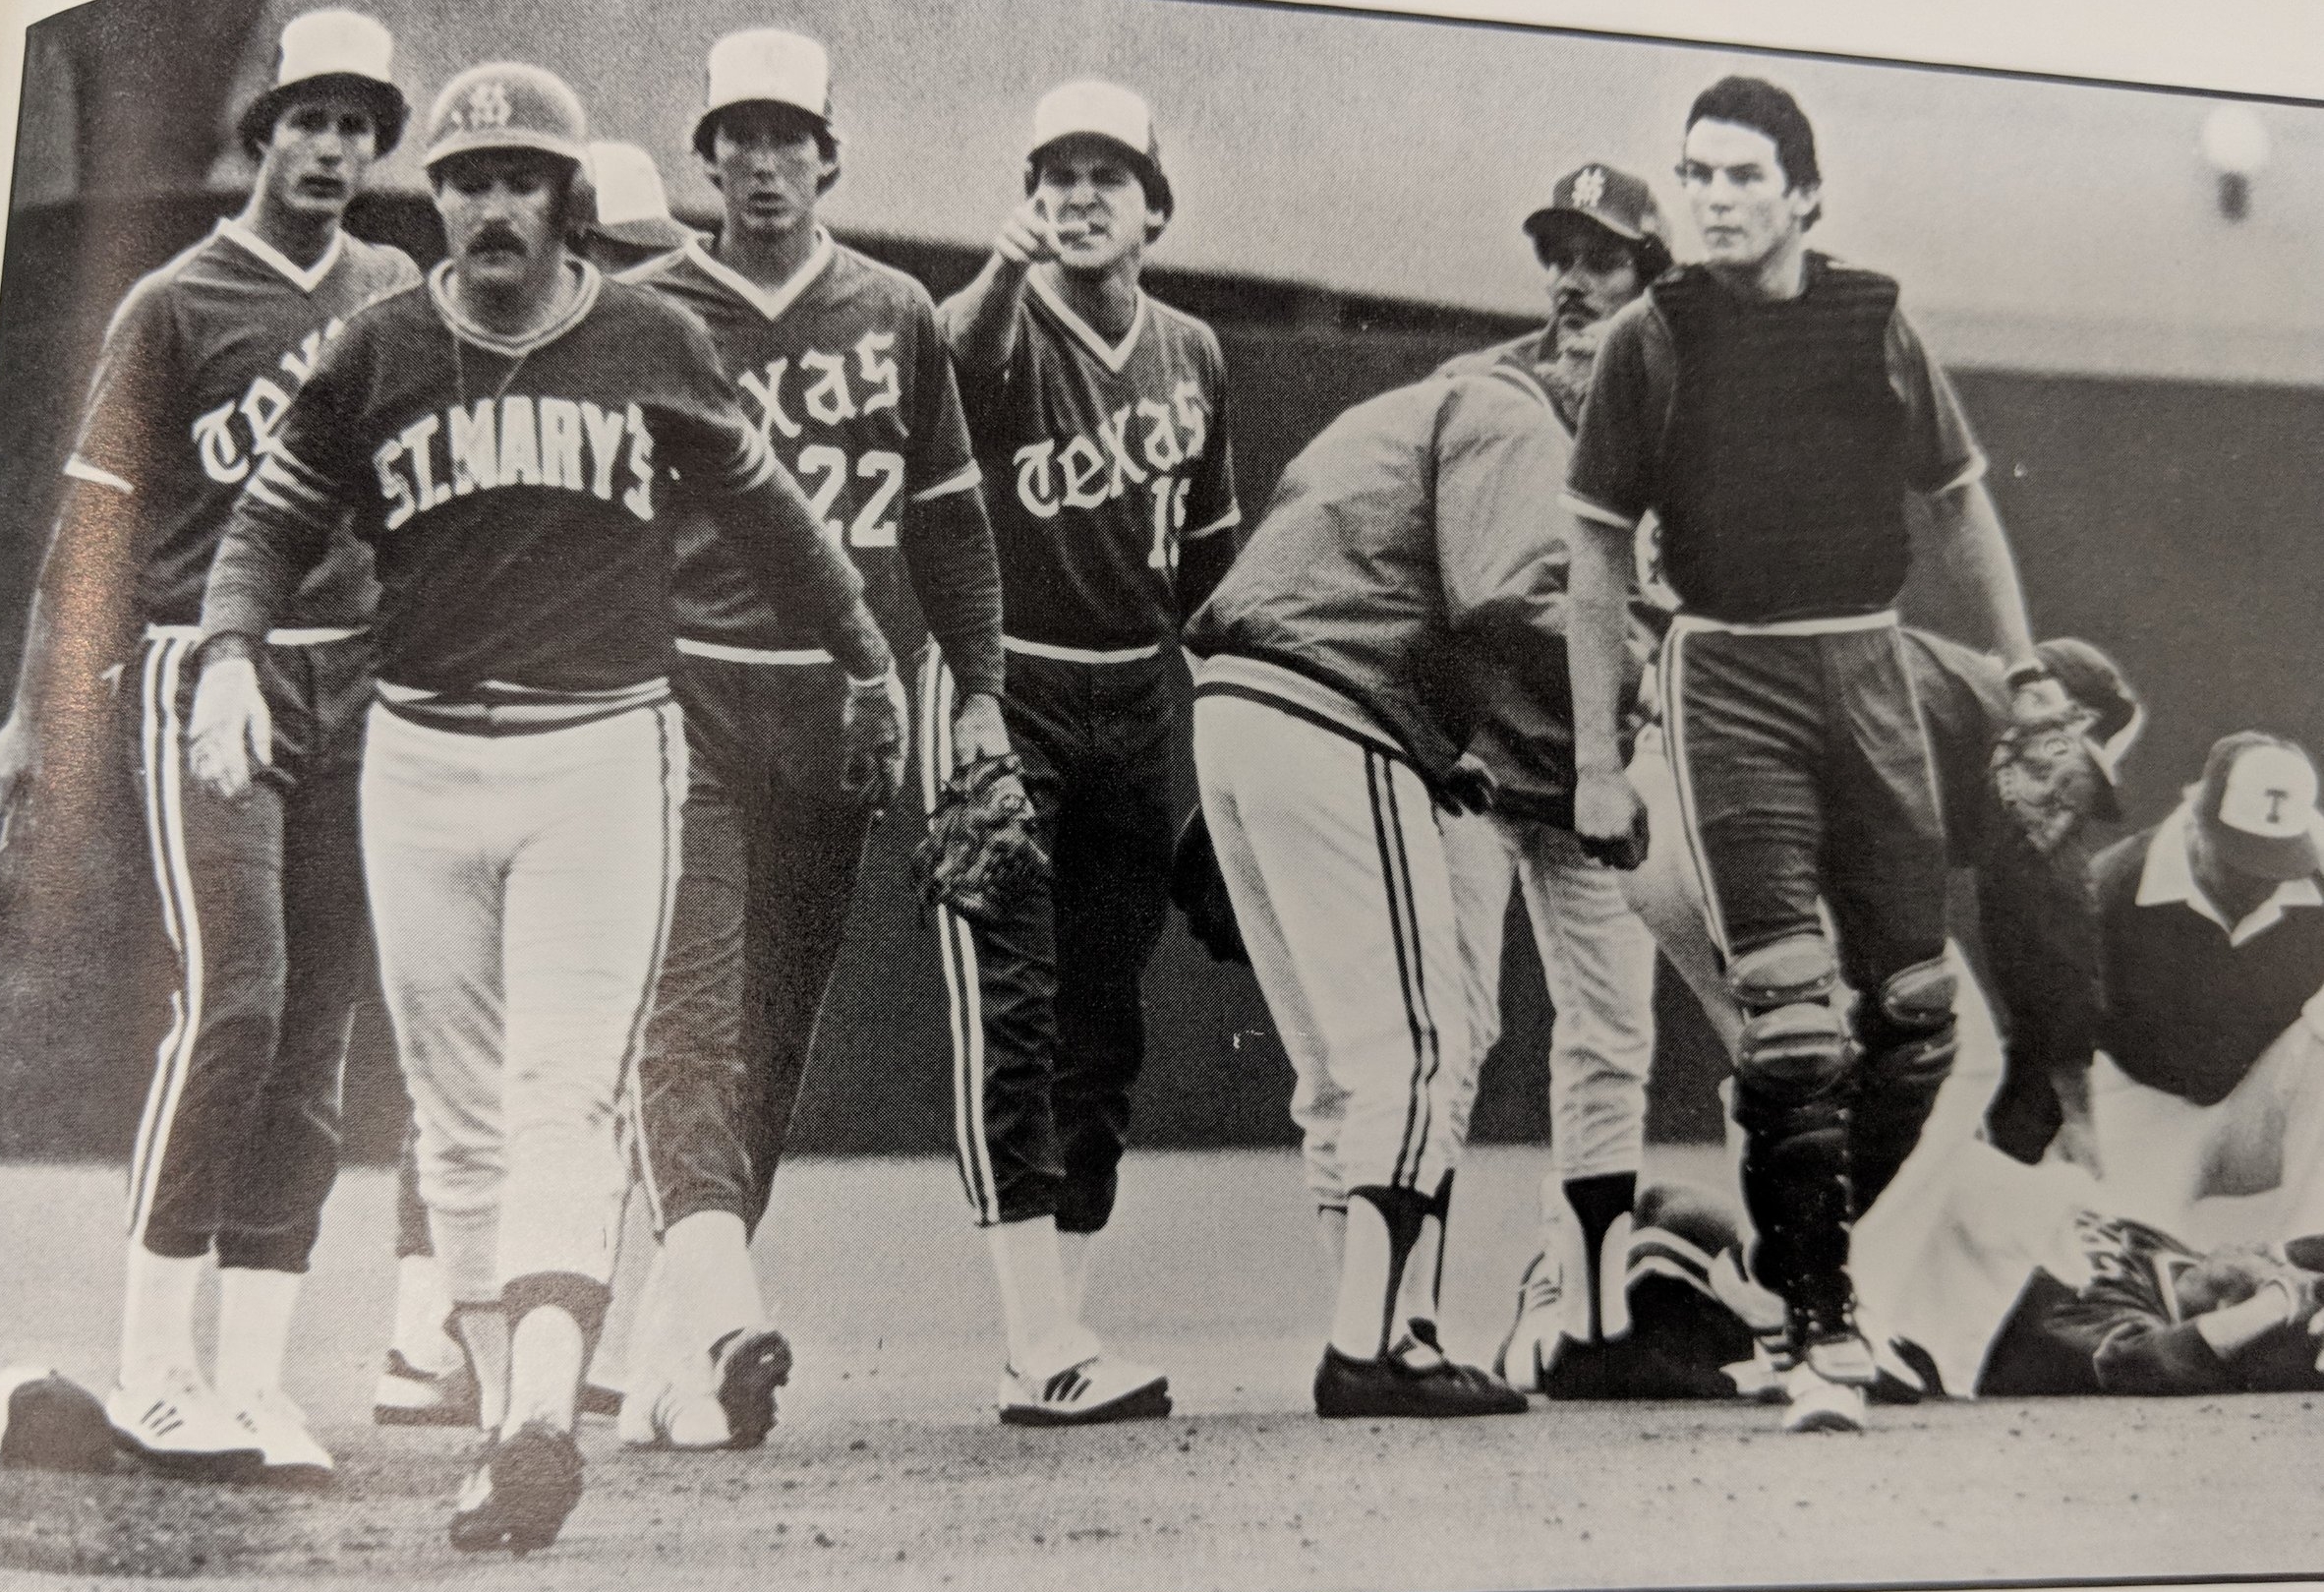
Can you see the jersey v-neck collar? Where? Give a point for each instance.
(1112, 355)
(306, 278)
(770, 305)
(440, 292)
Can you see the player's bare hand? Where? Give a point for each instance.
(1028, 237)
(2040, 701)
(977, 730)
(874, 739)
(1609, 819)
(19, 761)
(230, 732)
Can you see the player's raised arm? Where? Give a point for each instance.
(979, 322)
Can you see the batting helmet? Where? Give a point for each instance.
(1101, 110)
(330, 49)
(508, 105)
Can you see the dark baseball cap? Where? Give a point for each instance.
(1610, 197)
(48, 1423)
(2257, 804)
(2095, 681)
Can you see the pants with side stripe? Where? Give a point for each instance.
(771, 853)
(1048, 1016)
(1331, 853)
(263, 902)
(521, 887)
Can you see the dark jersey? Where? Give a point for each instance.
(199, 366)
(1099, 459)
(513, 490)
(848, 383)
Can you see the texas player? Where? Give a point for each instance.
(849, 382)
(502, 438)
(1100, 419)
(262, 898)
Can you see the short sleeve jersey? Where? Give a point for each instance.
(515, 490)
(848, 380)
(1623, 464)
(199, 366)
(1099, 459)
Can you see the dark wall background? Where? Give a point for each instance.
(2173, 523)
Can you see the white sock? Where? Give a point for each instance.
(423, 1317)
(1355, 1318)
(1331, 1230)
(253, 1331)
(483, 1330)
(712, 1286)
(1076, 1252)
(545, 1354)
(157, 1313)
(1045, 1333)
(1416, 1295)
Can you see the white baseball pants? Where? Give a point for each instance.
(521, 888)
(1599, 962)
(1331, 855)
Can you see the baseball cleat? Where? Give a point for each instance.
(1816, 1402)
(174, 1423)
(1086, 1393)
(289, 1454)
(667, 1417)
(748, 1367)
(1413, 1379)
(520, 1494)
(406, 1395)
(1544, 1313)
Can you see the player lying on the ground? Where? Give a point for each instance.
(1099, 418)
(2210, 1074)
(2021, 858)
(853, 391)
(2025, 1291)
(1600, 241)
(504, 437)
(262, 898)
(1404, 593)
(1775, 412)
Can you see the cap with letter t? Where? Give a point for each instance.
(2257, 805)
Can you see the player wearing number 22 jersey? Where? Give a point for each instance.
(845, 378)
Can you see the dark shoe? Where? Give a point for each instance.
(600, 1400)
(520, 1494)
(1413, 1379)
(406, 1395)
(750, 1366)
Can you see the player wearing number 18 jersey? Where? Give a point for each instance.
(1100, 421)
(849, 382)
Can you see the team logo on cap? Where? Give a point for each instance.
(1589, 188)
(2271, 793)
(486, 106)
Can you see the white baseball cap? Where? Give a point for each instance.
(2257, 804)
(767, 66)
(632, 205)
(1103, 110)
(343, 45)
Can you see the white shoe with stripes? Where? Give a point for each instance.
(176, 1424)
(1086, 1393)
(289, 1454)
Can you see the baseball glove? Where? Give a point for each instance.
(2046, 778)
(980, 855)
(1200, 890)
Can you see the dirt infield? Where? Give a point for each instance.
(888, 1470)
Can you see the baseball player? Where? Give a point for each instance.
(262, 898)
(2210, 1073)
(2034, 947)
(1775, 410)
(1601, 241)
(503, 438)
(851, 386)
(1099, 417)
(1402, 600)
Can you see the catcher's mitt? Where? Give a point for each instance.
(1200, 890)
(980, 854)
(2047, 778)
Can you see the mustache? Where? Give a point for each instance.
(497, 236)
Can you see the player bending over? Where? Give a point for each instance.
(503, 438)
(1099, 418)
(261, 897)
